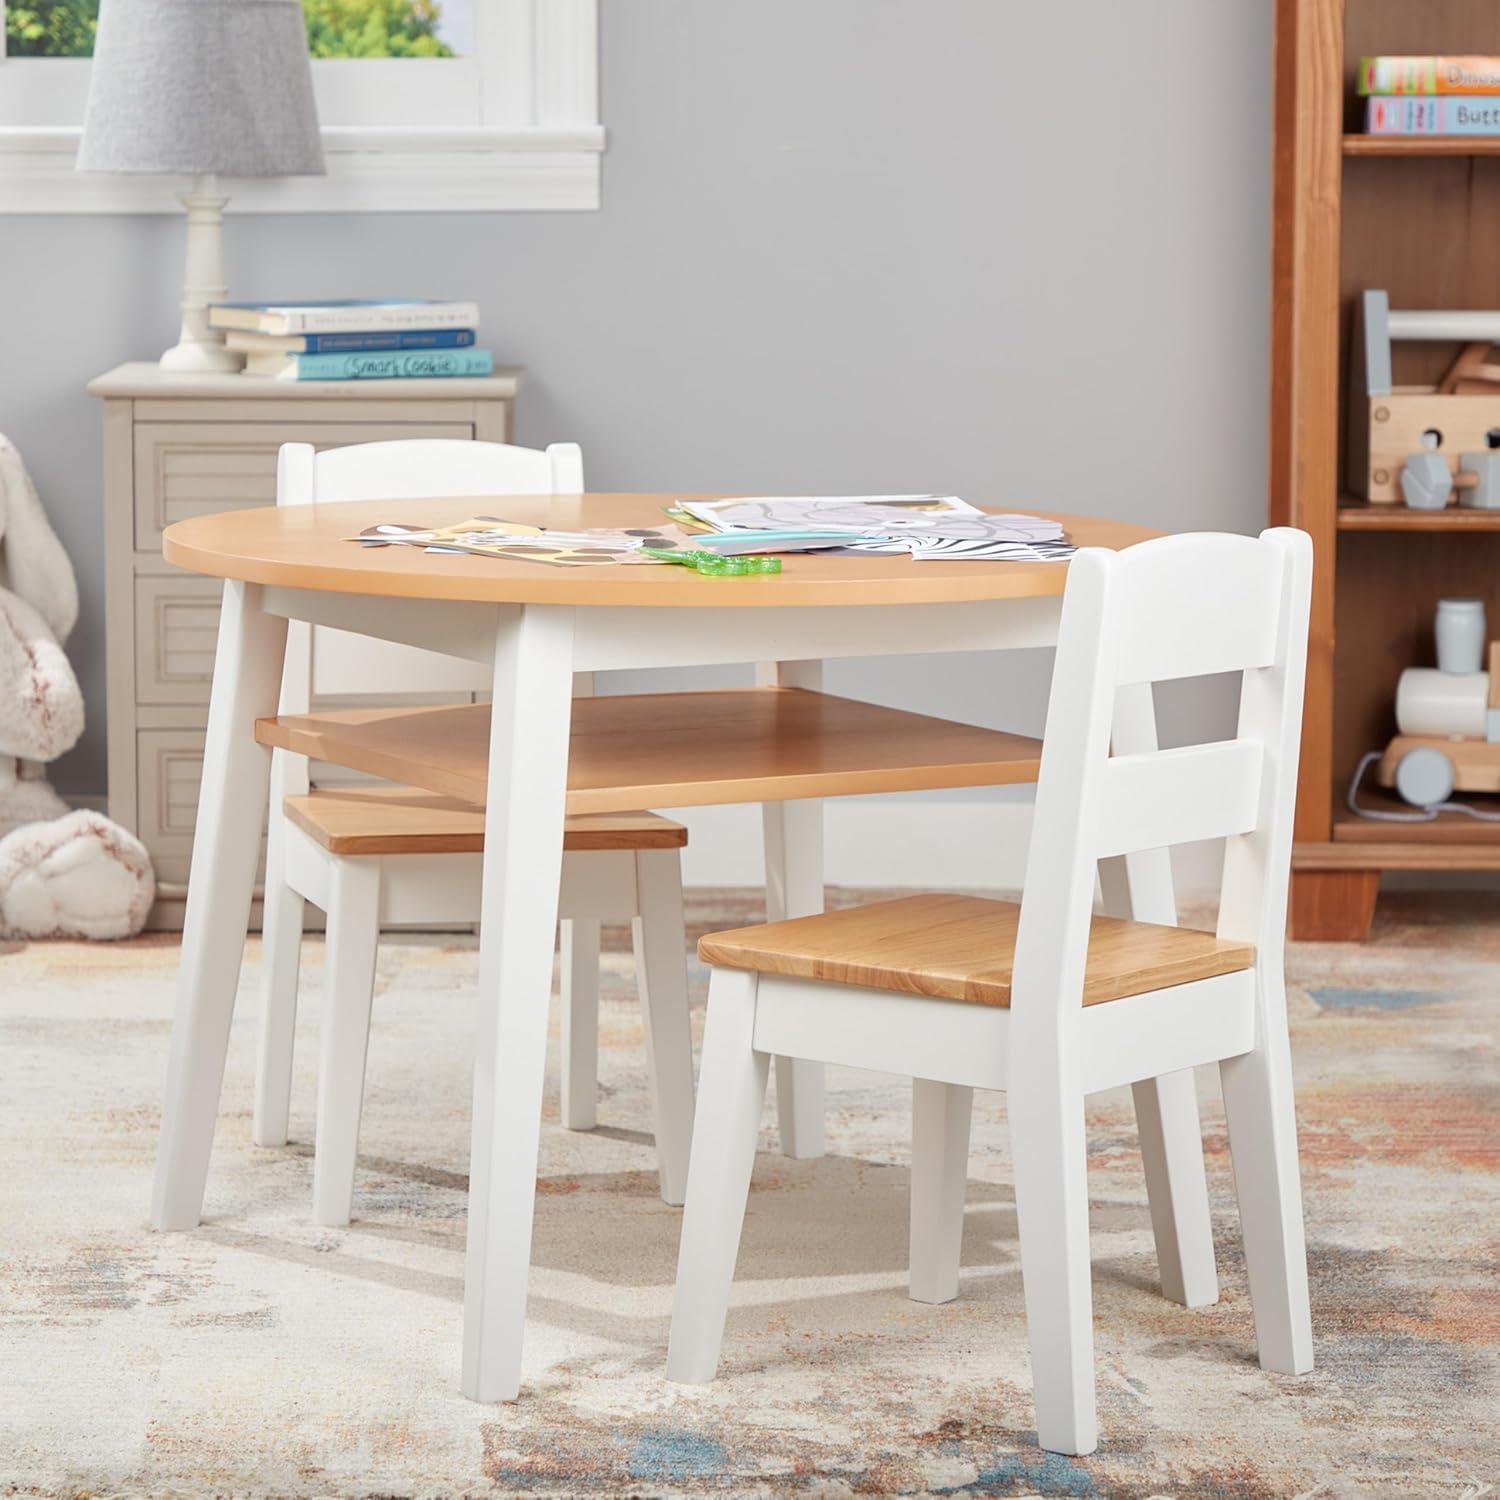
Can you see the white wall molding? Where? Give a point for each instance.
(369, 170)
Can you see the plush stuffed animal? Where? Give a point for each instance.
(61, 874)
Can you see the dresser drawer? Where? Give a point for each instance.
(169, 772)
(176, 631)
(185, 469)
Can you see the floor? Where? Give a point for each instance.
(261, 1355)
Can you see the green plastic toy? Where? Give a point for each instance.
(711, 565)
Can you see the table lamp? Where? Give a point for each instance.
(200, 89)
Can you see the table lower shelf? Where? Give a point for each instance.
(662, 750)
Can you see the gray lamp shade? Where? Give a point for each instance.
(186, 87)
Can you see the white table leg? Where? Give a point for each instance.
(794, 888)
(1166, 1108)
(231, 813)
(518, 919)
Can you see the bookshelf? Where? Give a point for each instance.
(1418, 217)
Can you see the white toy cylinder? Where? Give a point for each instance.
(1424, 777)
(1460, 635)
(1433, 702)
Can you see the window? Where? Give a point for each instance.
(425, 104)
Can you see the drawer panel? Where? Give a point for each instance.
(176, 631)
(185, 469)
(169, 772)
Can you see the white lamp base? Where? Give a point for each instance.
(200, 349)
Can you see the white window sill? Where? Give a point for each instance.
(397, 169)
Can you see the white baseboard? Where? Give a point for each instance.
(884, 843)
(874, 844)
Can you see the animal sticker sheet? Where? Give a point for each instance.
(514, 541)
(928, 527)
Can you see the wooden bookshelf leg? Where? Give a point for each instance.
(1333, 906)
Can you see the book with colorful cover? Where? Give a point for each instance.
(1439, 115)
(398, 364)
(1429, 75)
(374, 315)
(281, 345)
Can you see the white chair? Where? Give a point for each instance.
(383, 855)
(1043, 1000)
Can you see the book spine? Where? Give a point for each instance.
(365, 343)
(1434, 116)
(397, 365)
(1429, 75)
(395, 318)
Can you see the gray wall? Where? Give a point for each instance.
(845, 246)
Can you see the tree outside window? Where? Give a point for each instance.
(335, 28)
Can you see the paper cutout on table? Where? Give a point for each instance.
(928, 527)
(515, 541)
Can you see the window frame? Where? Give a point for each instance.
(514, 126)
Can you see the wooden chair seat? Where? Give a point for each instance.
(963, 948)
(408, 820)
(677, 749)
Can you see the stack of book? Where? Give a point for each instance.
(1431, 95)
(394, 338)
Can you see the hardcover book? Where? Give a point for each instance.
(1429, 75)
(1432, 116)
(383, 315)
(408, 364)
(281, 345)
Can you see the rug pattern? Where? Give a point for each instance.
(261, 1355)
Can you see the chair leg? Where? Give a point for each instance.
(281, 955)
(1259, 1107)
(1052, 1213)
(661, 976)
(1166, 1115)
(349, 982)
(579, 993)
(731, 1097)
(793, 834)
(940, 1114)
(1166, 1108)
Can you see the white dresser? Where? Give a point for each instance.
(186, 445)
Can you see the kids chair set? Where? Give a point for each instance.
(1041, 999)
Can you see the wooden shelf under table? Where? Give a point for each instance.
(678, 749)
(1421, 145)
(1361, 515)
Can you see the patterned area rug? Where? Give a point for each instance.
(261, 1355)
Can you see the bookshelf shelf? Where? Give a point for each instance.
(1421, 145)
(1359, 515)
(1414, 216)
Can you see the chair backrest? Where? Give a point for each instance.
(335, 662)
(1180, 606)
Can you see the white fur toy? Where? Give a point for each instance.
(61, 874)
(80, 876)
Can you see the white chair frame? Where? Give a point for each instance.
(1178, 607)
(361, 894)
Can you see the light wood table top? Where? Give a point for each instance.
(307, 547)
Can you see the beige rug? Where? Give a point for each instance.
(260, 1355)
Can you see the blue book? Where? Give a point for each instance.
(396, 365)
(350, 343)
(1439, 114)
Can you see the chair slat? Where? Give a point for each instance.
(1229, 587)
(1178, 796)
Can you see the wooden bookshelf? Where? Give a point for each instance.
(1360, 515)
(1421, 145)
(1417, 217)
